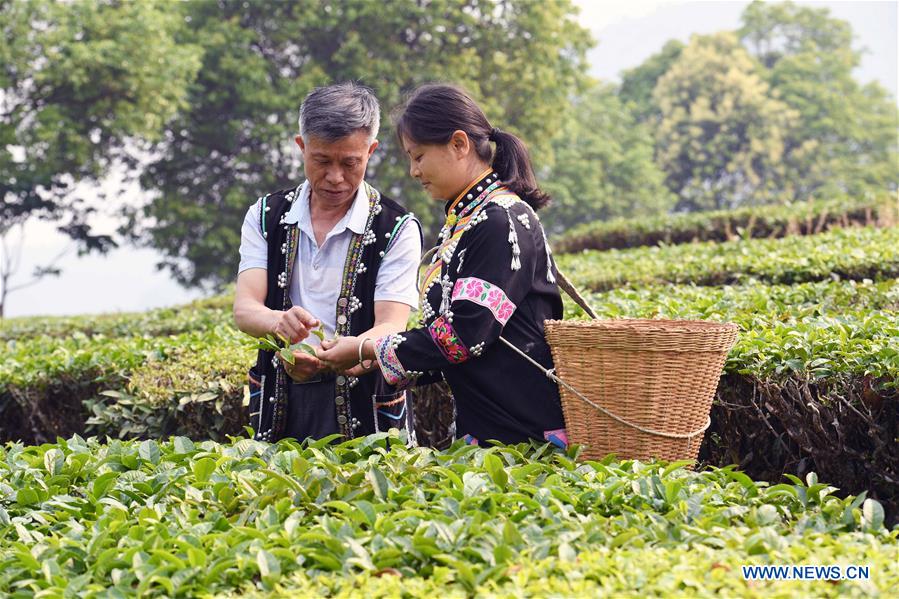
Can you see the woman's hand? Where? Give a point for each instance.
(343, 355)
(339, 354)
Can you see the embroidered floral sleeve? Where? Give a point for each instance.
(484, 294)
(391, 368)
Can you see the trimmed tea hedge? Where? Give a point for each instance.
(726, 225)
(855, 254)
(201, 314)
(810, 385)
(130, 386)
(178, 518)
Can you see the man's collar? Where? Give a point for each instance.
(358, 212)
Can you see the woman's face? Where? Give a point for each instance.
(440, 168)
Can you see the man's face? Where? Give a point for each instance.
(335, 169)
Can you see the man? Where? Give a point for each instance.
(331, 252)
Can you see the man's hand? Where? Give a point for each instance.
(304, 366)
(294, 325)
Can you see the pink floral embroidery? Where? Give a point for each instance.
(504, 313)
(485, 294)
(475, 287)
(447, 341)
(495, 297)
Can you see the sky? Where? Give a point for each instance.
(628, 32)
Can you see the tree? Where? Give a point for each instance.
(720, 139)
(637, 84)
(604, 165)
(522, 60)
(79, 80)
(844, 140)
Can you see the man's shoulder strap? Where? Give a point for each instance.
(396, 219)
(273, 207)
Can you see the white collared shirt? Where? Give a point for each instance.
(318, 273)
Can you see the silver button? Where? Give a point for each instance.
(341, 381)
(341, 419)
(341, 319)
(342, 302)
(339, 400)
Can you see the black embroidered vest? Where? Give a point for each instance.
(354, 310)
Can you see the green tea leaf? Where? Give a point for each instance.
(203, 468)
(149, 451)
(872, 514)
(269, 566)
(102, 484)
(379, 483)
(182, 445)
(495, 469)
(54, 461)
(287, 355)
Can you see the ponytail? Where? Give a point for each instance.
(513, 164)
(433, 112)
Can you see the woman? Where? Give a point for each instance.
(491, 275)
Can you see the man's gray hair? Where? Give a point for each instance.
(335, 111)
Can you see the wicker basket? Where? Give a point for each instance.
(647, 384)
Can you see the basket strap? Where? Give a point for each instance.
(569, 288)
(551, 374)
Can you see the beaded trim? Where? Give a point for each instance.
(279, 397)
(485, 294)
(452, 234)
(506, 201)
(401, 223)
(349, 303)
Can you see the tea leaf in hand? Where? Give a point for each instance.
(304, 347)
(287, 354)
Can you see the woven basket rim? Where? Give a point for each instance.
(646, 324)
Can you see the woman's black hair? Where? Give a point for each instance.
(433, 112)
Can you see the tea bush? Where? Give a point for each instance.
(177, 517)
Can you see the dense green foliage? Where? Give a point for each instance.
(770, 113)
(720, 138)
(857, 254)
(178, 517)
(844, 137)
(604, 165)
(522, 60)
(723, 225)
(79, 80)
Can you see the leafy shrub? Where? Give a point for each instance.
(183, 518)
(854, 254)
(726, 225)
